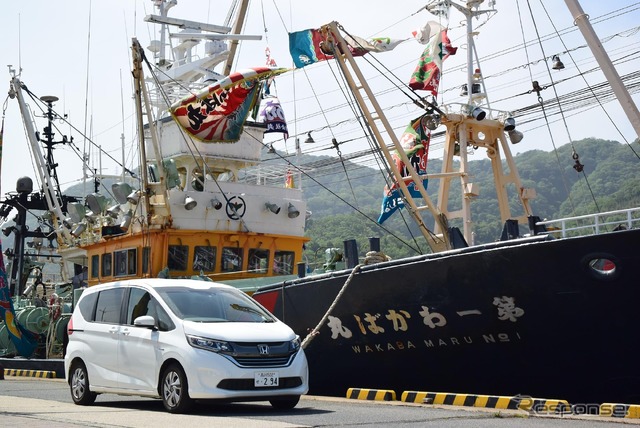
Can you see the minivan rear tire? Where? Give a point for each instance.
(174, 390)
(79, 385)
(285, 403)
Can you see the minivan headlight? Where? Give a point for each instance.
(210, 344)
(294, 345)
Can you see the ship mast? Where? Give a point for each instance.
(467, 125)
(474, 124)
(622, 94)
(45, 167)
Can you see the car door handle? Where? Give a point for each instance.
(126, 332)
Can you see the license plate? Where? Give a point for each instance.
(264, 379)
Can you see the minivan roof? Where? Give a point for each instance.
(162, 283)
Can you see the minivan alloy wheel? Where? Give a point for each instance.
(79, 385)
(174, 390)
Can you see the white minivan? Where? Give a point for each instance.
(181, 340)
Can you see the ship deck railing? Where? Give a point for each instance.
(593, 224)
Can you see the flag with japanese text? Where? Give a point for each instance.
(24, 341)
(415, 144)
(218, 112)
(426, 76)
(272, 115)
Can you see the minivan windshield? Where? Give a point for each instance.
(213, 305)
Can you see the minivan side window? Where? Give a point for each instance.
(87, 304)
(109, 306)
(142, 303)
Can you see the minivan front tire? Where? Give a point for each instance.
(174, 390)
(79, 385)
(285, 403)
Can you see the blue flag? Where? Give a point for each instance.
(313, 45)
(392, 200)
(415, 144)
(24, 340)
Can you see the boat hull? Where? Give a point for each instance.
(526, 317)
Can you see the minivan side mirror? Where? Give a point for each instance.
(145, 321)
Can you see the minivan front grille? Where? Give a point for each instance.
(263, 361)
(261, 354)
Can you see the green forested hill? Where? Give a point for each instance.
(611, 169)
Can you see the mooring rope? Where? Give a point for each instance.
(316, 329)
(372, 257)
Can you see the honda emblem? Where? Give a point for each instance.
(263, 349)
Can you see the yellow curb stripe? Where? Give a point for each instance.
(503, 402)
(30, 373)
(616, 410)
(488, 401)
(413, 397)
(371, 394)
(481, 401)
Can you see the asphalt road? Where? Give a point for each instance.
(46, 403)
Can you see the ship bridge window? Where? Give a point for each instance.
(178, 257)
(106, 264)
(283, 263)
(95, 266)
(226, 176)
(204, 258)
(258, 260)
(231, 259)
(182, 176)
(146, 254)
(126, 262)
(197, 180)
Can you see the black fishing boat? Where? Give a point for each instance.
(549, 311)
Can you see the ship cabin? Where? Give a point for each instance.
(219, 214)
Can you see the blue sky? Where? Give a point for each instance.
(86, 63)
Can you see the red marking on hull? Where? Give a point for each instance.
(268, 300)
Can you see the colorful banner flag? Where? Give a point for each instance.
(1, 133)
(273, 116)
(218, 112)
(423, 35)
(24, 340)
(376, 44)
(312, 45)
(392, 200)
(415, 143)
(288, 183)
(426, 76)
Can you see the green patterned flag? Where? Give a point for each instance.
(426, 76)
